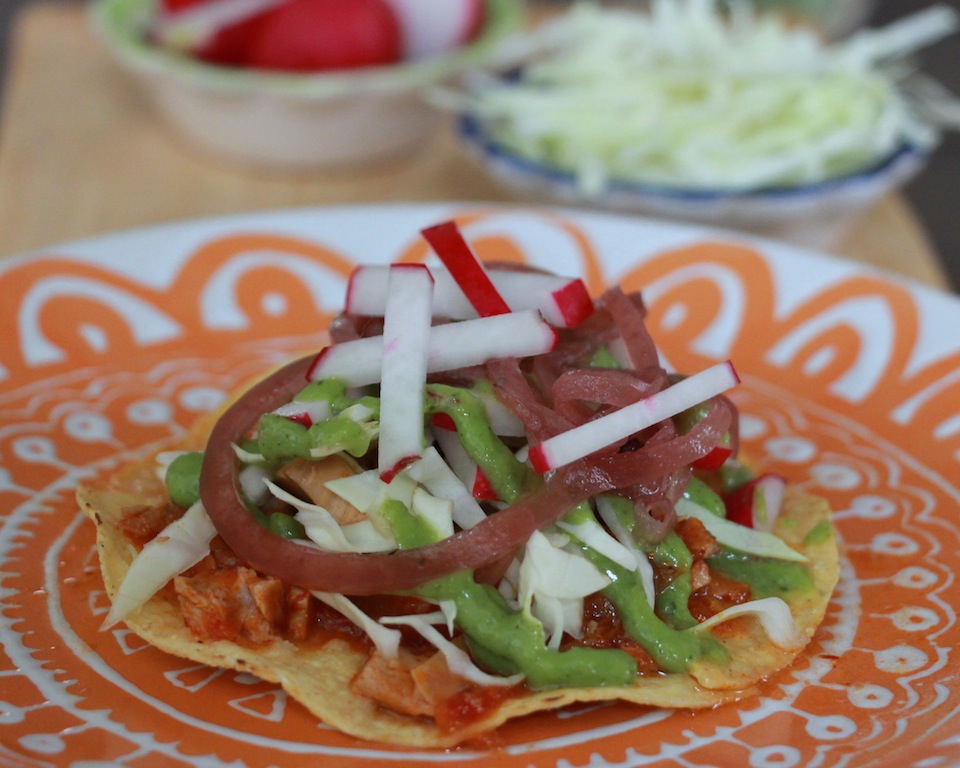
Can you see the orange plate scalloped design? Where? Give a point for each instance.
(851, 387)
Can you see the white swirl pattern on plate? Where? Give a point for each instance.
(815, 336)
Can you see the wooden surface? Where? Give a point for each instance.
(82, 153)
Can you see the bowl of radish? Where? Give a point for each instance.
(738, 119)
(300, 84)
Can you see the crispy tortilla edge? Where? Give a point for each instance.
(319, 678)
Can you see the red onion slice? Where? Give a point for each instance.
(349, 573)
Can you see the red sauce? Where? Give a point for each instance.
(327, 624)
(142, 524)
(698, 539)
(470, 705)
(602, 628)
(720, 593)
(308, 622)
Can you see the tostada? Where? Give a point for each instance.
(484, 498)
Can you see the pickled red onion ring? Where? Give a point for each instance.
(350, 573)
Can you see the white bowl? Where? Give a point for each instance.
(289, 120)
(815, 215)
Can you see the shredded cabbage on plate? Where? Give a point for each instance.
(697, 96)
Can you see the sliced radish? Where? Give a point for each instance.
(451, 346)
(367, 290)
(437, 477)
(367, 293)
(617, 426)
(325, 35)
(430, 28)
(307, 413)
(463, 466)
(468, 271)
(571, 303)
(774, 616)
(482, 487)
(740, 537)
(443, 421)
(179, 546)
(503, 421)
(403, 367)
(172, 6)
(197, 24)
(563, 301)
(757, 503)
(713, 460)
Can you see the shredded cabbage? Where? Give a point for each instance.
(594, 536)
(361, 490)
(387, 641)
(179, 546)
(326, 533)
(609, 516)
(552, 583)
(437, 512)
(438, 478)
(772, 613)
(248, 457)
(458, 660)
(449, 610)
(739, 537)
(164, 459)
(322, 529)
(689, 97)
(366, 491)
(253, 483)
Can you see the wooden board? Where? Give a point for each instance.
(82, 153)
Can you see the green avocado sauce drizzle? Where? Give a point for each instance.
(505, 639)
(660, 631)
(350, 428)
(502, 638)
(183, 479)
(506, 473)
(767, 578)
(672, 601)
(671, 648)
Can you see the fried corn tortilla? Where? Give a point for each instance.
(337, 679)
(320, 677)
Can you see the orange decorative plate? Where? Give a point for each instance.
(851, 387)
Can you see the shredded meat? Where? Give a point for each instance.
(298, 616)
(602, 628)
(231, 604)
(434, 680)
(307, 479)
(390, 683)
(142, 524)
(418, 684)
(721, 592)
(698, 539)
(699, 574)
(702, 545)
(712, 591)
